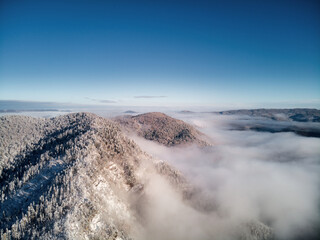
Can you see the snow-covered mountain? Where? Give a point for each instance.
(78, 176)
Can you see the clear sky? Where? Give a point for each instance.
(165, 53)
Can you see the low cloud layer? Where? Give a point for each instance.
(267, 178)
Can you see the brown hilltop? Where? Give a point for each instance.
(159, 127)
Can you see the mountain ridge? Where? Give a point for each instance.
(77, 156)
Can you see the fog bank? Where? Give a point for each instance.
(272, 178)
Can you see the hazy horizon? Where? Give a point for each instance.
(21, 105)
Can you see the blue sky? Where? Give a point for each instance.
(164, 53)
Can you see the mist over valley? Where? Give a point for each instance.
(179, 175)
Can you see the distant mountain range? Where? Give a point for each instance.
(295, 114)
(31, 110)
(302, 121)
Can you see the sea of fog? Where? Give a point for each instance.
(273, 178)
